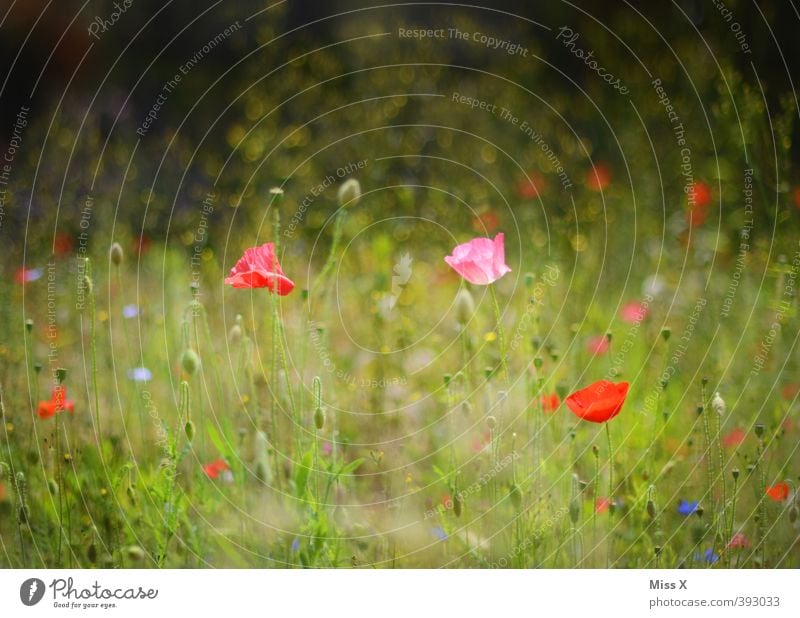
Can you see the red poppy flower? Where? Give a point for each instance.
(550, 402)
(598, 177)
(63, 243)
(215, 468)
(598, 402)
(696, 215)
(790, 390)
(142, 245)
(259, 268)
(778, 492)
(602, 504)
(58, 402)
(597, 344)
(698, 194)
(2, 492)
(530, 188)
(486, 222)
(734, 438)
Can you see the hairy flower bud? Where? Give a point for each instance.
(349, 193)
(116, 254)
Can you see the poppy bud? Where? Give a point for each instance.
(595, 450)
(349, 193)
(319, 418)
(465, 306)
(538, 361)
(529, 277)
(458, 503)
(491, 422)
(718, 404)
(793, 514)
(447, 378)
(190, 361)
(135, 553)
(235, 334)
(466, 407)
(515, 494)
(651, 509)
(37, 367)
(52, 487)
(116, 254)
(91, 553)
(189, 430)
(574, 511)
(561, 390)
(666, 332)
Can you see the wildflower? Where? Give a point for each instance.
(687, 507)
(295, 545)
(26, 275)
(710, 556)
(699, 194)
(602, 504)
(481, 260)
(140, 374)
(778, 492)
(633, 312)
(130, 311)
(739, 541)
(259, 268)
(550, 402)
(439, 533)
(597, 344)
(486, 222)
(598, 177)
(598, 402)
(190, 361)
(734, 438)
(58, 402)
(215, 468)
(531, 187)
(789, 391)
(327, 448)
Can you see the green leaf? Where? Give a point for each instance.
(301, 476)
(351, 467)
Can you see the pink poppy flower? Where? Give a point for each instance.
(481, 260)
(739, 541)
(633, 312)
(597, 345)
(259, 268)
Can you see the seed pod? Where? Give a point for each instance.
(735, 473)
(319, 418)
(116, 254)
(189, 429)
(666, 332)
(190, 361)
(491, 422)
(458, 503)
(349, 193)
(759, 429)
(29, 325)
(235, 334)
(465, 306)
(651, 509)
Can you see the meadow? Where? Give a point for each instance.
(246, 347)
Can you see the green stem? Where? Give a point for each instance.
(501, 333)
(611, 503)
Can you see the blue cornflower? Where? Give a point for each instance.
(140, 374)
(711, 557)
(439, 533)
(687, 507)
(295, 544)
(130, 311)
